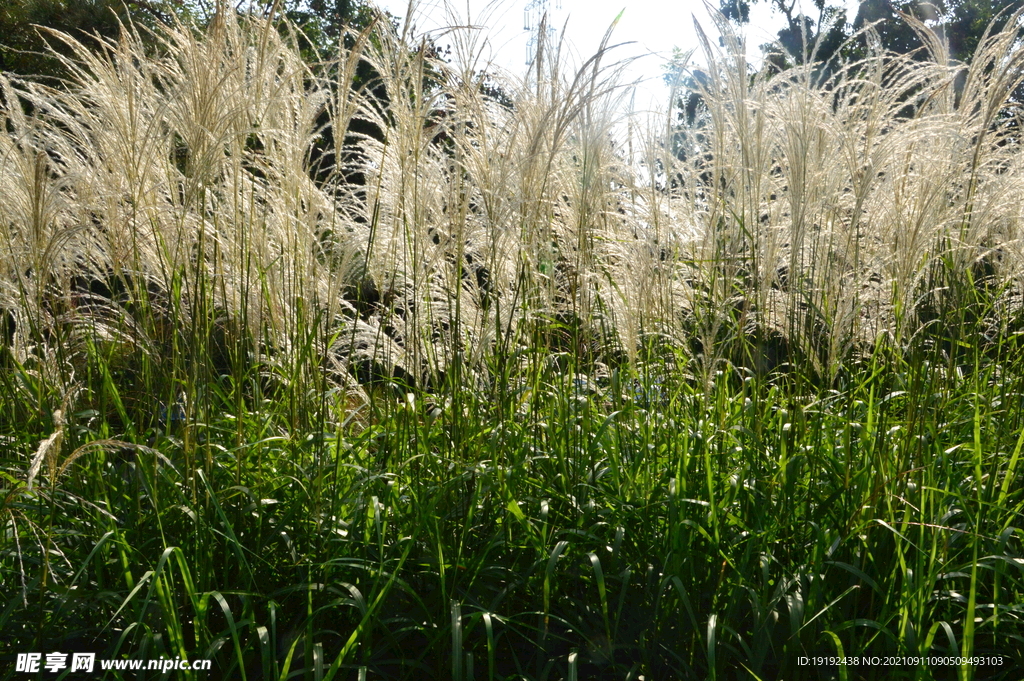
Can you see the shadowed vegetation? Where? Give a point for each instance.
(531, 399)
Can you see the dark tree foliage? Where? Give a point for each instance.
(960, 22)
(24, 39)
(24, 42)
(324, 25)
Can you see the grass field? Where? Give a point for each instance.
(511, 389)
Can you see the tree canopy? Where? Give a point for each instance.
(24, 46)
(961, 23)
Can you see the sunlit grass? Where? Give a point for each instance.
(526, 401)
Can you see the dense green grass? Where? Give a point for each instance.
(519, 406)
(549, 526)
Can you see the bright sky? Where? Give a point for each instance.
(653, 27)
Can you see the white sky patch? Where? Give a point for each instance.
(651, 27)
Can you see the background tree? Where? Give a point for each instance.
(24, 47)
(827, 27)
(960, 22)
